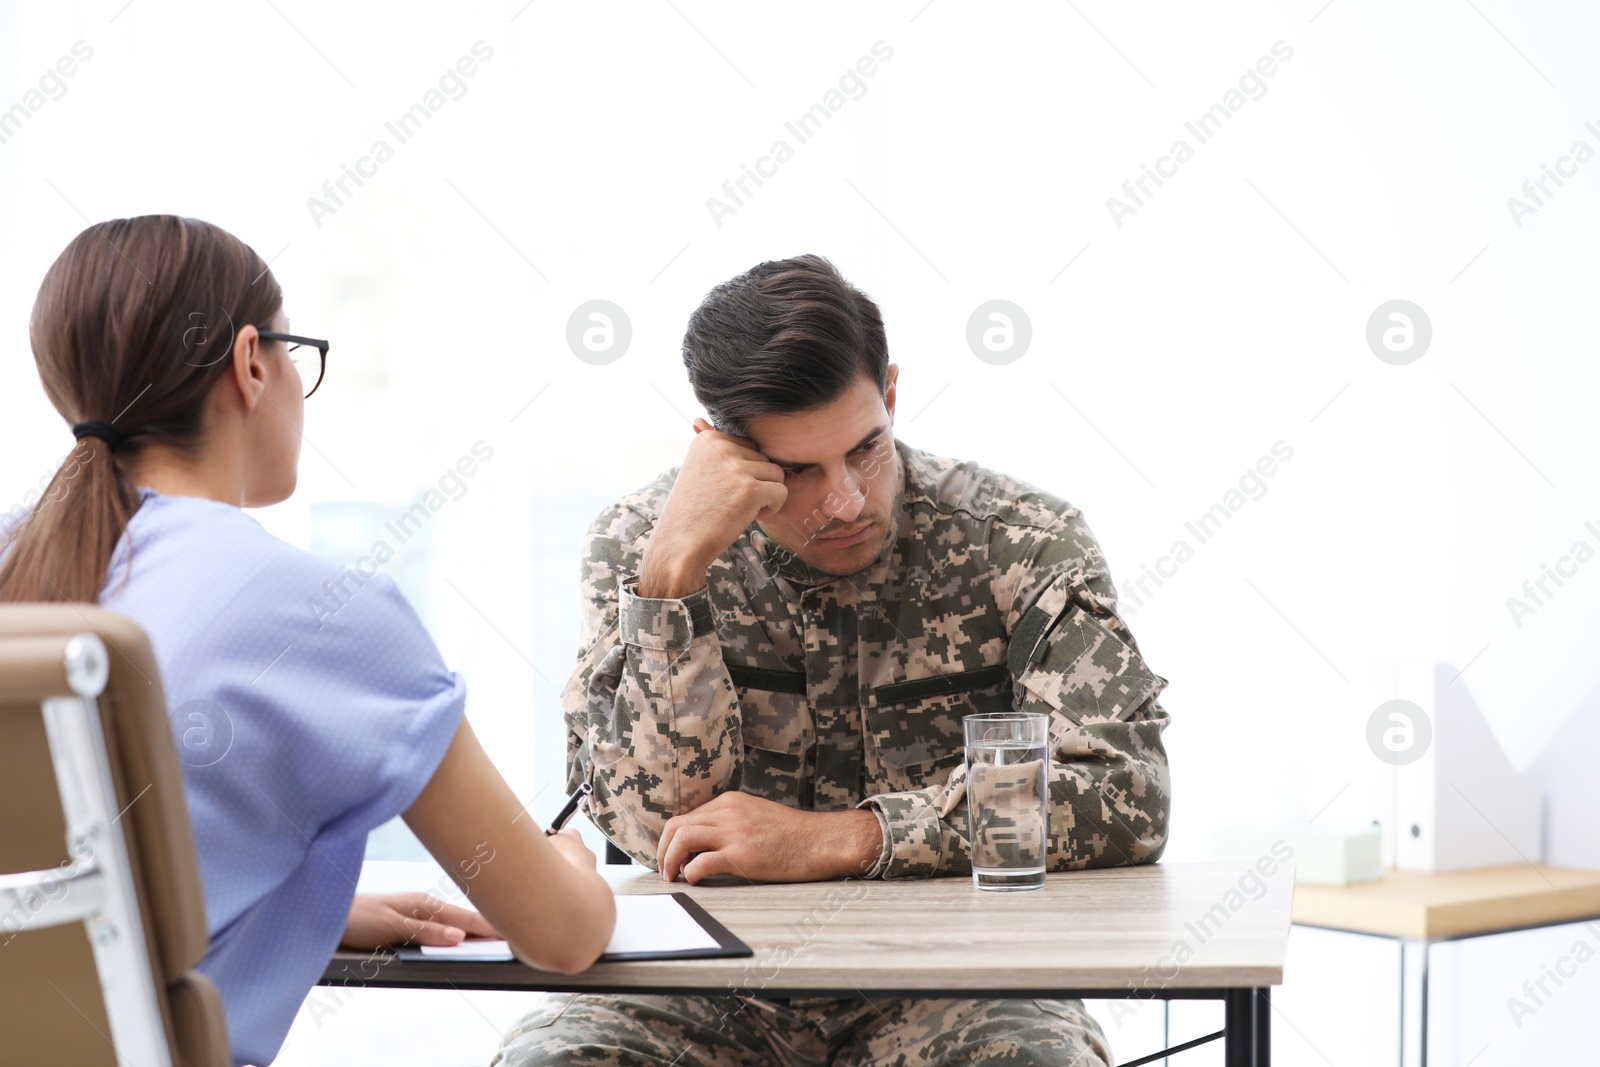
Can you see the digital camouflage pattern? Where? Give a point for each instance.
(682, 1031)
(826, 693)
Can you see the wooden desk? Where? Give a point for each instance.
(1109, 934)
(1435, 907)
(1420, 909)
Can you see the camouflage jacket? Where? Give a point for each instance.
(826, 693)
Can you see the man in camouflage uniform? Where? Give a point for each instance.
(780, 640)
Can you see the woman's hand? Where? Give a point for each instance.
(572, 848)
(410, 919)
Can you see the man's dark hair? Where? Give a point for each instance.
(787, 336)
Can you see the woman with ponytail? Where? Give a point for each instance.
(163, 343)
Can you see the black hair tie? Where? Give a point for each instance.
(102, 429)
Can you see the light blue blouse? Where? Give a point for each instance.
(309, 706)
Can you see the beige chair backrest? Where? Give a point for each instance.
(102, 921)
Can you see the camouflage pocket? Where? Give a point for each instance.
(778, 736)
(914, 737)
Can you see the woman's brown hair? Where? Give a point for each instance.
(134, 324)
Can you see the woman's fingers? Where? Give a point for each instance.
(422, 919)
(569, 843)
(432, 933)
(466, 919)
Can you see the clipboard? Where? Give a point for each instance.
(728, 945)
(725, 944)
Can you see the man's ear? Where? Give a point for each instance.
(888, 390)
(249, 375)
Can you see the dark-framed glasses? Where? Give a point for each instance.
(299, 348)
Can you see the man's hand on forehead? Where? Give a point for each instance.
(725, 483)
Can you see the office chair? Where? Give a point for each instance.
(102, 920)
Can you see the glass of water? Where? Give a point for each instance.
(1008, 777)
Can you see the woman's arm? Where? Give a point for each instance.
(547, 900)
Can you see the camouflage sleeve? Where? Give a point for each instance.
(1076, 661)
(1072, 658)
(652, 717)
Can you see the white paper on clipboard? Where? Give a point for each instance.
(652, 923)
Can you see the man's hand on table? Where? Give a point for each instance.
(748, 837)
(378, 919)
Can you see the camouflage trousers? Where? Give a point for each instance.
(687, 1031)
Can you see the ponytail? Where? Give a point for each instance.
(63, 546)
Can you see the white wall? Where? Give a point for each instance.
(1168, 353)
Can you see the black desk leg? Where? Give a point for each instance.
(1247, 1020)
(1263, 1002)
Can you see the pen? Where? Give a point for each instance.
(569, 808)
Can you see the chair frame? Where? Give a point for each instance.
(95, 886)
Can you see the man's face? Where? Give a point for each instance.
(839, 467)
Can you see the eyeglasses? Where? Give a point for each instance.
(296, 343)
